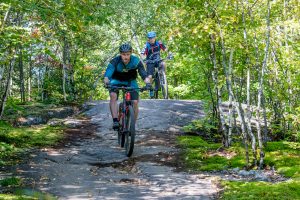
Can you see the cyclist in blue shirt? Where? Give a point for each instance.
(122, 71)
(152, 52)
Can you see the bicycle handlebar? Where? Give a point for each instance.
(169, 57)
(127, 88)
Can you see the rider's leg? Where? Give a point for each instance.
(150, 72)
(135, 98)
(151, 79)
(113, 104)
(136, 108)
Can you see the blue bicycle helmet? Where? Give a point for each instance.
(125, 48)
(151, 34)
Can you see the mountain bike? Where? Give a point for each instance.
(126, 117)
(159, 78)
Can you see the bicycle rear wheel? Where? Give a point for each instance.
(163, 84)
(121, 136)
(156, 86)
(130, 133)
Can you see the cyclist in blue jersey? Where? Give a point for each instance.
(152, 52)
(122, 71)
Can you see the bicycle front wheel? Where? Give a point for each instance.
(121, 136)
(130, 133)
(163, 84)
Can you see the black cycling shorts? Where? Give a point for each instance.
(133, 94)
(133, 84)
(151, 67)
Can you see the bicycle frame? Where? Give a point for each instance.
(126, 116)
(160, 78)
(126, 101)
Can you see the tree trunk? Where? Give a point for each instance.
(230, 120)
(72, 79)
(230, 113)
(287, 51)
(46, 79)
(5, 19)
(248, 110)
(218, 92)
(1, 72)
(260, 90)
(137, 43)
(39, 80)
(265, 120)
(230, 91)
(7, 88)
(29, 78)
(64, 67)
(21, 68)
(10, 92)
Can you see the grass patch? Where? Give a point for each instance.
(199, 155)
(16, 197)
(24, 194)
(14, 140)
(13, 181)
(15, 110)
(42, 135)
(260, 190)
(285, 156)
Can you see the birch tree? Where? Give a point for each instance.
(260, 89)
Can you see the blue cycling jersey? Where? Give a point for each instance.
(117, 70)
(151, 49)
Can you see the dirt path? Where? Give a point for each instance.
(91, 166)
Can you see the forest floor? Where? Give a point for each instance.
(88, 164)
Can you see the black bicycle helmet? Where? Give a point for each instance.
(125, 48)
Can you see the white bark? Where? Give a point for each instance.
(248, 110)
(5, 18)
(218, 92)
(230, 113)
(260, 89)
(64, 68)
(7, 87)
(230, 91)
(64, 81)
(1, 72)
(29, 78)
(137, 43)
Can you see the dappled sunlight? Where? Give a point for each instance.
(70, 187)
(54, 153)
(224, 153)
(229, 73)
(141, 108)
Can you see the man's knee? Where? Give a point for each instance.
(151, 79)
(113, 96)
(135, 102)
